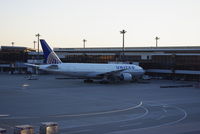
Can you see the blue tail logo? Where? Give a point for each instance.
(49, 55)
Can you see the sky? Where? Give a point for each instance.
(65, 23)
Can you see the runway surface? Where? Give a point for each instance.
(79, 108)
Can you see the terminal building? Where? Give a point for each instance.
(168, 62)
(165, 62)
(12, 58)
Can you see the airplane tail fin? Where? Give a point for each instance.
(49, 55)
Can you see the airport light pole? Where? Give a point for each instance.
(84, 40)
(157, 38)
(38, 36)
(123, 32)
(12, 43)
(34, 43)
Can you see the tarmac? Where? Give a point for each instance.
(93, 108)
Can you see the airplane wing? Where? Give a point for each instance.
(112, 73)
(106, 74)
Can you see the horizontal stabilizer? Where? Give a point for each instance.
(31, 65)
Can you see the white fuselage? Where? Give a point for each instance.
(92, 70)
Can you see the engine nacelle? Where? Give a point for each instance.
(126, 77)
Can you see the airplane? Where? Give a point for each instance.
(88, 71)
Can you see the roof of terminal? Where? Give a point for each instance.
(16, 48)
(183, 48)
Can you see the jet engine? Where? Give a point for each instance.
(126, 77)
